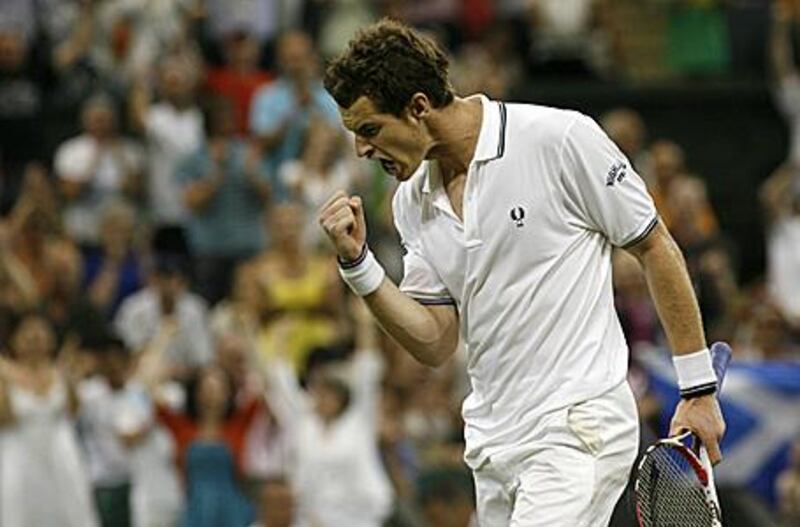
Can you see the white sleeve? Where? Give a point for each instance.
(72, 161)
(284, 395)
(420, 280)
(787, 95)
(366, 371)
(130, 322)
(602, 188)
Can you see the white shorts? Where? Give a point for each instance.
(571, 474)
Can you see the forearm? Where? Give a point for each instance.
(6, 413)
(673, 295)
(780, 46)
(77, 45)
(199, 195)
(138, 105)
(20, 280)
(104, 288)
(430, 334)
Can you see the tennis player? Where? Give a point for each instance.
(508, 215)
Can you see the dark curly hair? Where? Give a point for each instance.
(389, 62)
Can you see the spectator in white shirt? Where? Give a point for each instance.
(323, 167)
(129, 456)
(97, 166)
(166, 298)
(173, 128)
(338, 477)
(780, 195)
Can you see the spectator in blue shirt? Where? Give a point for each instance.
(282, 111)
(226, 191)
(113, 270)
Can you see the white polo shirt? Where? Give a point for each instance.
(547, 197)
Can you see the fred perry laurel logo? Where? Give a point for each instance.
(518, 214)
(615, 174)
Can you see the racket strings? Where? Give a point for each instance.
(669, 492)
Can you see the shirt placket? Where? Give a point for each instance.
(472, 234)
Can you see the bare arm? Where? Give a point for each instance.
(671, 290)
(429, 333)
(776, 194)
(76, 46)
(673, 296)
(6, 412)
(780, 42)
(199, 194)
(138, 105)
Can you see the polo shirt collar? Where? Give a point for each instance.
(491, 140)
(492, 137)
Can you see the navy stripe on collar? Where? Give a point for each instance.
(501, 144)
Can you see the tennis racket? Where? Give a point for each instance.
(674, 485)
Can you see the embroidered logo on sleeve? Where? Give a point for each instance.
(616, 173)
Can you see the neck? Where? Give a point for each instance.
(209, 419)
(34, 363)
(291, 248)
(455, 129)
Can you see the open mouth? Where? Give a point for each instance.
(390, 167)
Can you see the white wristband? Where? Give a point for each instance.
(695, 373)
(364, 274)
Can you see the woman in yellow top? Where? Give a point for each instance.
(299, 288)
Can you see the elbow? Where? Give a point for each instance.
(436, 356)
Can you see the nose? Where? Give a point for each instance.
(363, 148)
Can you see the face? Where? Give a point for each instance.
(176, 81)
(286, 224)
(328, 402)
(242, 51)
(13, 50)
(98, 120)
(322, 143)
(667, 161)
(232, 355)
(627, 130)
(399, 143)
(296, 56)
(213, 392)
(169, 286)
(117, 230)
(33, 339)
(115, 366)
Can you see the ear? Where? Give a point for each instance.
(420, 106)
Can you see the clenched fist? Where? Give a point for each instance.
(342, 218)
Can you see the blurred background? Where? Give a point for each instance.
(177, 347)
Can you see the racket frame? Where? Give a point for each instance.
(721, 355)
(702, 469)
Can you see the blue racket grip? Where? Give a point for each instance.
(720, 358)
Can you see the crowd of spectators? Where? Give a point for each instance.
(177, 347)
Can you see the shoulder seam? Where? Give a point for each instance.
(567, 131)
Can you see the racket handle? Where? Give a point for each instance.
(720, 358)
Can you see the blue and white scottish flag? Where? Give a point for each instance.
(761, 404)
